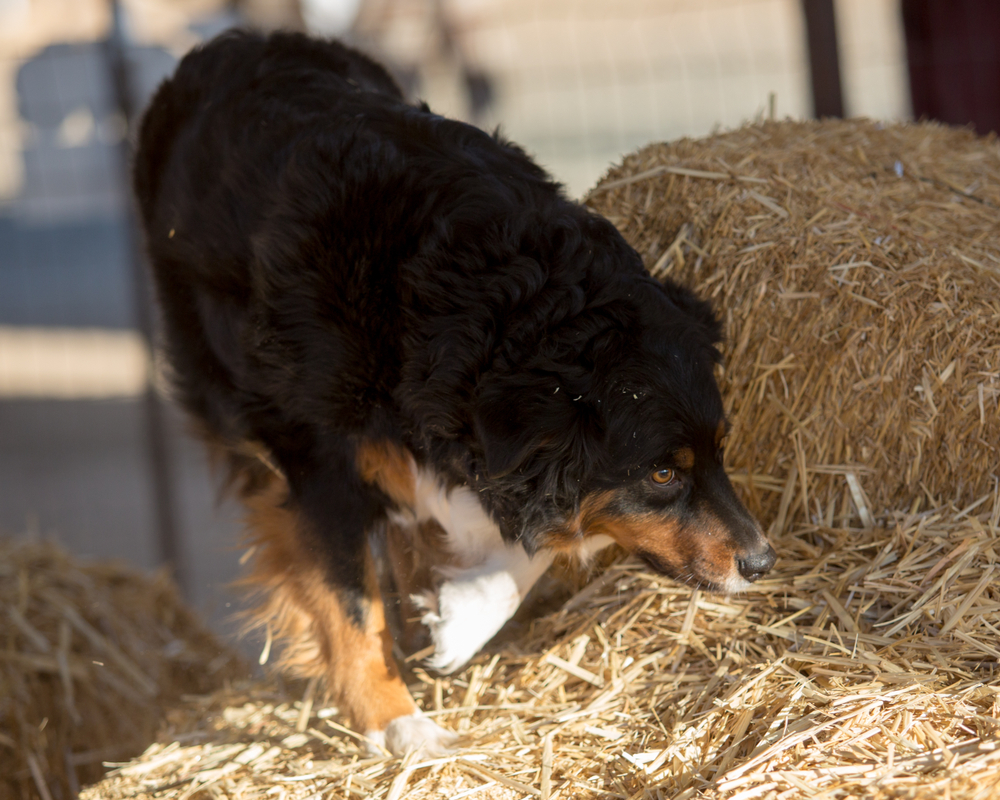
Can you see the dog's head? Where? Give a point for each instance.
(615, 426)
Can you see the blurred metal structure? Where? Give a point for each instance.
(157, 445)
(90, 453)
(953, 49)
(824, 58)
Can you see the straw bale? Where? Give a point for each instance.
(90, 655)
(856, 266)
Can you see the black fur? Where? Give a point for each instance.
(334, 264)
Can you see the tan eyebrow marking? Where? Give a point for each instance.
(684, 458)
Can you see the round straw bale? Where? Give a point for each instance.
(856, 266)
(92, 654)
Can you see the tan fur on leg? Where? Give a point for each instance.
(302, 610)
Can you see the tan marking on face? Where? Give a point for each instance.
(684, 458)
(702, 549)
(645, 532)
(387, 466)
(716, 548)
(321, 638)
(566, 538)
(571, 538)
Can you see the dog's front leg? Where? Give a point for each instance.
(473, 603)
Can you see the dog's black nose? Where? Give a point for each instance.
(757, 565)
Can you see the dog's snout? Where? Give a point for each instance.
(757, 565)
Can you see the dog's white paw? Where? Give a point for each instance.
(410, 733)
(465, 614)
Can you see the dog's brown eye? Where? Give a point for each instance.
(664, 477)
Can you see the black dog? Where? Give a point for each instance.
(383, 318)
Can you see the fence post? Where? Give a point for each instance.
(157, 438)
(824, 58)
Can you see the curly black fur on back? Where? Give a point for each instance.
(334, 263)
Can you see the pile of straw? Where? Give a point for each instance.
(868, 665)
(863, 329)
(90, 656)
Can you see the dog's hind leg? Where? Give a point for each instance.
(333, 630)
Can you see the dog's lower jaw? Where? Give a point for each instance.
(734, 584)
(413, 732)
(726, 586)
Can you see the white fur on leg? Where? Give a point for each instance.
(471, 605)
(412, 732)
(479, 595)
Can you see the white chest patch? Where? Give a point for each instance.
(472, 535)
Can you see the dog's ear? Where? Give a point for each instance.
(515, 421)
(700, 311)
(506, 437)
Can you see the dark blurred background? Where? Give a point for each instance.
(92, 453)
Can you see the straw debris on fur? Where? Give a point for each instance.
(90, 656)
(856, 269)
